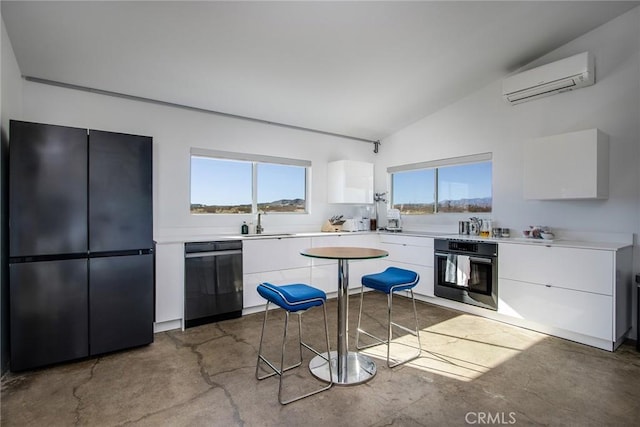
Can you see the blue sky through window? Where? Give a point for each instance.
(415, 186)
(276, 182)
(229, 182)
(469, 181)
(461, 188)
(220, 182)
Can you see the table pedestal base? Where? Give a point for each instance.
(359, 369)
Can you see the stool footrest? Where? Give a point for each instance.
(293, 292)
(276, 371)
(380, 341)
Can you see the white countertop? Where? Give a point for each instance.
(235, 236)
(528, 241)
(432, 234)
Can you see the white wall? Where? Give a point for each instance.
(11, 101)
(10, 108)
(482, 122)
(175, 131)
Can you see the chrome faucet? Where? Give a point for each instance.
(259, 227)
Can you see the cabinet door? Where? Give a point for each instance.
(121, 302)
(350, 181)
(586, 151)
(582, 269)
(120, 190)
(169, 281)
(418, 255)
(526, 262)
(47, 190)
(582, 312)
(48, 312)
(260, 255)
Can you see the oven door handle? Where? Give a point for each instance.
(471, 258)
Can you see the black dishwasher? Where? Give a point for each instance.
(213, 281)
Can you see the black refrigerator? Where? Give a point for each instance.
(81, 266)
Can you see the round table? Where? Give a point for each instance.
(349, 368)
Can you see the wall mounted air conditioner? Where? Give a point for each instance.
(567, 74)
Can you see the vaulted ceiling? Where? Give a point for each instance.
(359, 68)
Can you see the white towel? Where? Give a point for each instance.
(450, 272)
(463, 271)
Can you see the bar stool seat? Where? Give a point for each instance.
(391, 280)
(293, 298)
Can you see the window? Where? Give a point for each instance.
(233, 183)
(457, 185)
(413, 191)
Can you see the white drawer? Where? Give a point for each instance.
(407, 240)
(582, 312)
(418, 255)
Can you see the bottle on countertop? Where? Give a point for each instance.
(245, 228)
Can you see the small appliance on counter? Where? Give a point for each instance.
(333, 224)
(356, 224)
(538, 232)
(351, 224)
(394, 220)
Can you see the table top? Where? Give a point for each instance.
(344, 252)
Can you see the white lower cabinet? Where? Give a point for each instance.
(411, 253)
(269, 254)
(582, 312)
(276, 260)
(585, 292)
(169, 286)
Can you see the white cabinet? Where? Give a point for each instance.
(268, 254)
(586, 270)
(275, 260)
(350, 181)
(578, 290)
(569, 166)
(169, 286)
(582, 312)
(411, 253)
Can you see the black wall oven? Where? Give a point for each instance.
(466, 271)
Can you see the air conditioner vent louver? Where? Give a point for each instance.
(561, 76)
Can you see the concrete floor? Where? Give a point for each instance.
(472, 371)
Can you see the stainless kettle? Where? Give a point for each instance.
(474, 226)
(463, 227)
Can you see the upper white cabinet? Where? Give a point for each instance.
(573, 165)
(350, 181)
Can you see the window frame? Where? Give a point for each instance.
(254, 159)
(436, 165)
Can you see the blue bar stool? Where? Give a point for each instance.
(389, 281)
(295, 298)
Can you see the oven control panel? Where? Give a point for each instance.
(466, 246)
